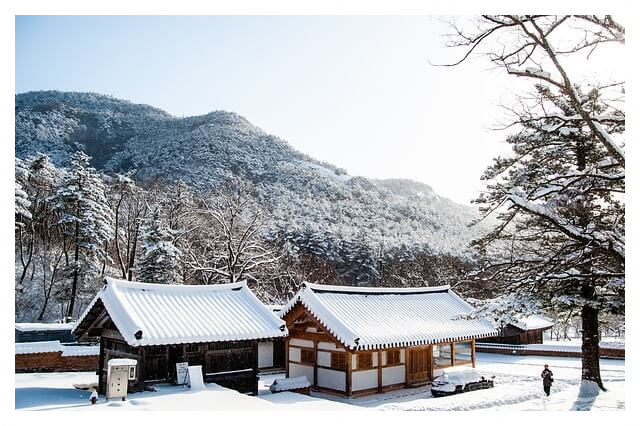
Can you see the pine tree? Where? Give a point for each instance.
(160, 262)
(87, 223)
(22, 202)
(559, 197)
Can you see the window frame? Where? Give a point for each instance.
(307, 356)
(339, 361)
(365, 361)
(391, 360)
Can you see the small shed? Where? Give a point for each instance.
(216, 326)
(360, 340)
(44, 332)
(527, 330)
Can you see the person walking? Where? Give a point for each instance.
(547, 379)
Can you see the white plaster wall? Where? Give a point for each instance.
(331, 379)
(324, 359)
(311, 329)
(294, 354)
(265, 354)
(329, 345)
(301, 342)
(367, 379)
(297, 370)
(392, 375)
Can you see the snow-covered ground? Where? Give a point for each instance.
(517, 387)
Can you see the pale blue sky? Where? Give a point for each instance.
(355, 91)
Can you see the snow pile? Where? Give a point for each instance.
(290, 383)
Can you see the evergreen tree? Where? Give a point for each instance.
(160, 262)
(560, 242)
(22, 202)
(87, 223)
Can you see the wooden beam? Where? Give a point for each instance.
(306, 335)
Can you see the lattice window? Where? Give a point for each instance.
(393, 357)
(307, 356)
(365, 361)
(338, 361)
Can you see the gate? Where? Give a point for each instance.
(419, 368)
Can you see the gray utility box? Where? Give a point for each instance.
(119, 372)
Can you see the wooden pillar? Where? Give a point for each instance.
(254, 348)
(140, 367)
(102, 374)
(379, 371)
(286, 357)
(473, 353)
(315, 364)
(453, 354)
(348, 375)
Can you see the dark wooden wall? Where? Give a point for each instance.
(230, 364)
(510, 335)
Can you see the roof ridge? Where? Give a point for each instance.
(201, 287)
(369, 290)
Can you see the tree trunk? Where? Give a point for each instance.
(590, 340)
(74, 285)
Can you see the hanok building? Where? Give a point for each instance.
(527, 330)
(159, 325)
(356, 340)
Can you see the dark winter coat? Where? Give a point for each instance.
(547, 377)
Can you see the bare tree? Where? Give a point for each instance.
(237, 249)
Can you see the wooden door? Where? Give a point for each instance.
(418, 365)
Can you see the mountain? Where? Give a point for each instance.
(316, 206)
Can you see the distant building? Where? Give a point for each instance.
(42, 332)
(271, 352)
(528, 330)
(356, 340)
(216, 326)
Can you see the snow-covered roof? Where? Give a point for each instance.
(81, 350)
(371, 317)
(534, 322)
(38, 326)
(274, 308)
(55, 346)
(38, 347)
(163, 314)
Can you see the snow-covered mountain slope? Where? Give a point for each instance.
(315, 205)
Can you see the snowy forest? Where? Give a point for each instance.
(107, 187)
